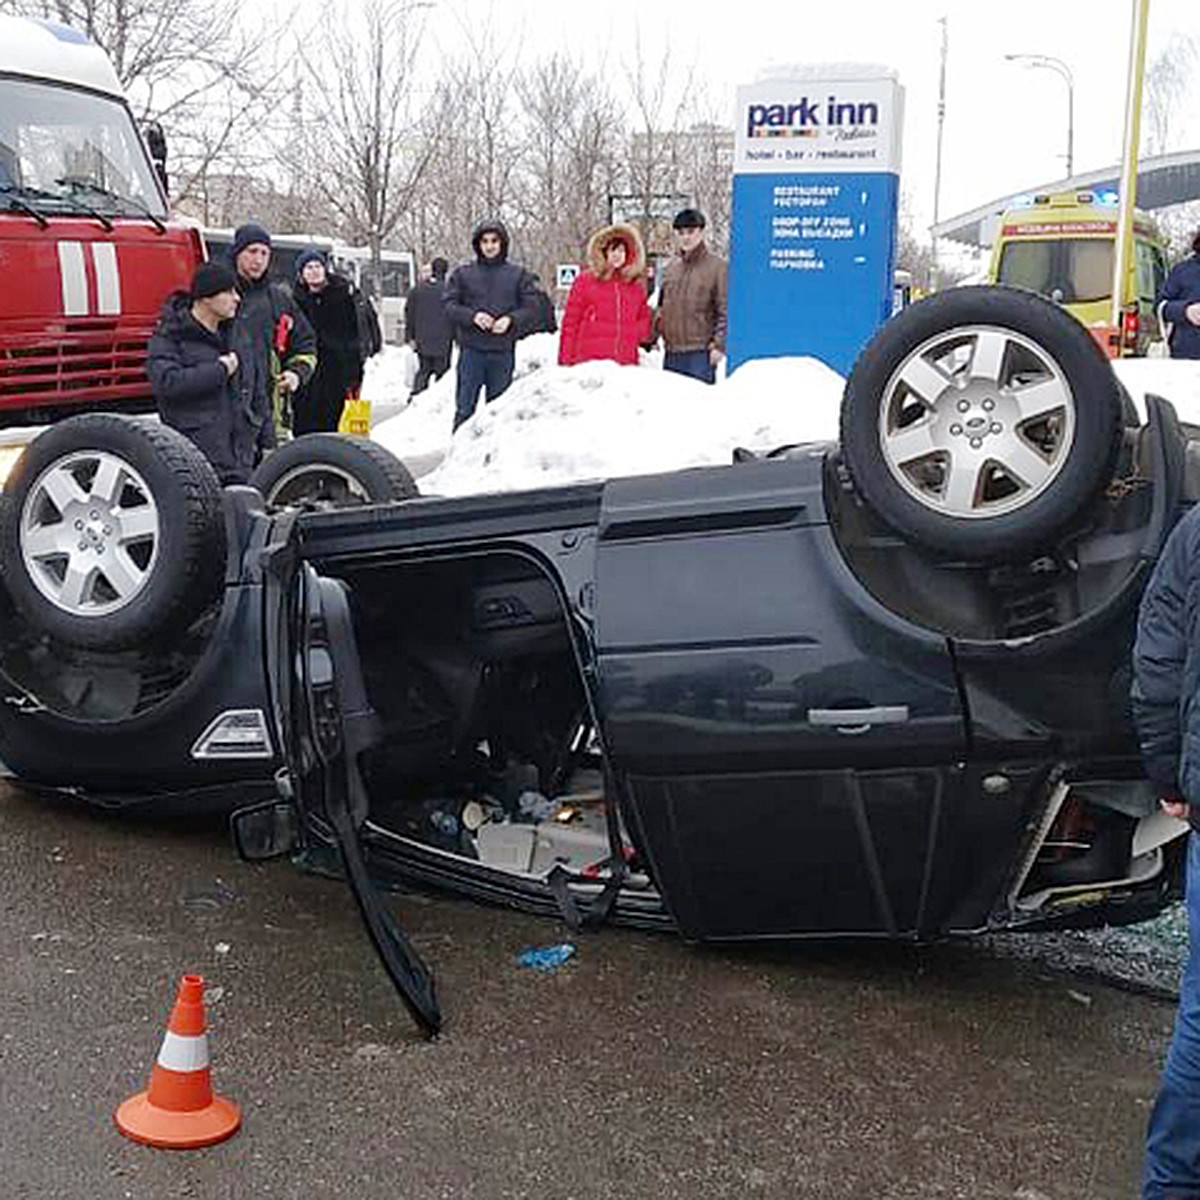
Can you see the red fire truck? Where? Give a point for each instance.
(87, 249)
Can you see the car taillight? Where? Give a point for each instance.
(1131, 323)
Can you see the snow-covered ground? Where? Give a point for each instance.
(559, 425)
(1174, 379)
(597, 420)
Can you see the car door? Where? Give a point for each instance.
(790, 751)
(327, 723)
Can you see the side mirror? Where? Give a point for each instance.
(264, 831)
(156, 143)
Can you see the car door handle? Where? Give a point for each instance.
(858, 720)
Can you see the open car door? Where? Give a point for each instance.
(328, 723)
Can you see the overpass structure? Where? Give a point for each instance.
(1162, 181)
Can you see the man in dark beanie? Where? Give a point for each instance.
(193, 372)
(427, 326)
(691, 305)
(490, 303)
(275, 345)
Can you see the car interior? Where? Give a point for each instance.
(488, 749)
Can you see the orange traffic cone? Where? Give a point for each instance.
(179, 1111)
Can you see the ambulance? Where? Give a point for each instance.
(88, 251)
(1060, 244)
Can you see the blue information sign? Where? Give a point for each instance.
(816, 184)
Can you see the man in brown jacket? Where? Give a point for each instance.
(691, 306)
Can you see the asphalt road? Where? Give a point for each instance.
(644, 1068)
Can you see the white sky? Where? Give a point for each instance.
(1005, 124)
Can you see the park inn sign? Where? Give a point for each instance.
(815, 191)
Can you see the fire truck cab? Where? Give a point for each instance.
(88, 252)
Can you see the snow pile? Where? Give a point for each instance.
(598, 420)
(388, 375)
(424, 426)
(558, 425)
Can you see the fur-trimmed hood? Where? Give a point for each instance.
(635, 252)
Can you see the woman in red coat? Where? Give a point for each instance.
(607, 315)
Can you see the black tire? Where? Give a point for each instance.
(157, 582)
(965, 489)
(332, 470)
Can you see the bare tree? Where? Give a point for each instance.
(658, 99)
(1168, 79)
(572, 132)
(359, 142)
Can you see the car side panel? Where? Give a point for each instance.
(730, 637)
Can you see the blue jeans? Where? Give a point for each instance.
(491, 370)
(695, 363)
(1172, 1168)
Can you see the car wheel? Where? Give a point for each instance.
(111, 532)
(982, 422)
(332, 470)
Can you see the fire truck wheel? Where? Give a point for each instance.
(111, 532)
(332, 470)
(982, 423)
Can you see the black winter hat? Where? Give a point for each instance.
(212, 278)
(439, 267)
(688, 218)
(310, 254)
(250, 234)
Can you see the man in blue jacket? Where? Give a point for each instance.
(1166, 688)
(490, 302)
(1179, 305)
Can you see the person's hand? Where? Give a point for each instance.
(289, 381)
(1174, 807)
(484, 320)
(501, 324)
(229, 362)
(1192, 312)
(715, 355)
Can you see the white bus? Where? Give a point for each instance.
(399, 275)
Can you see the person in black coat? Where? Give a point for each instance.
(490, 303)
(327, 301)
(1166, 685)
(428, 327)
(1179, 305)
(276, 348)
(192, 373)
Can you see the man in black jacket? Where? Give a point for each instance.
(428, 327)
(192, 372)
(326, 300)
(490, 303)
(275, 345)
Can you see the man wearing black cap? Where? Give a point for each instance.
(275, 344)
(490, 303)
(193, 372)
(427, 327)
(691, 306)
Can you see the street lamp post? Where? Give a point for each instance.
(1059, 68)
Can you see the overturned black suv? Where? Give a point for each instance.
(869, 689)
